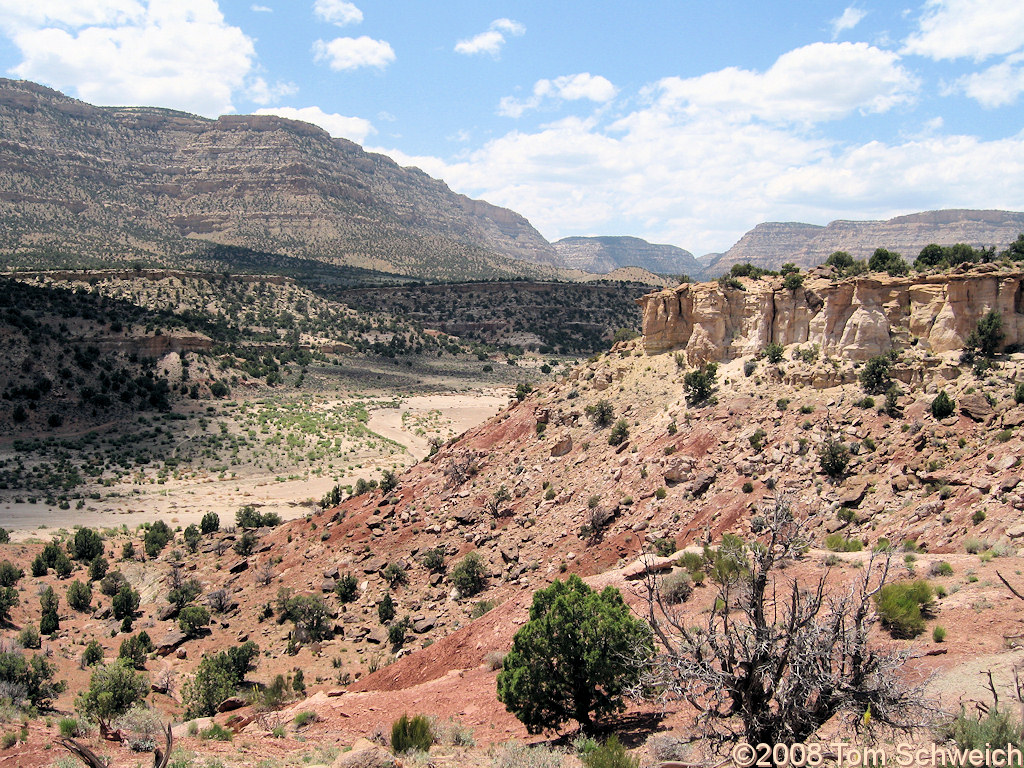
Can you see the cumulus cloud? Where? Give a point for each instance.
(849, 19)
(261, 9)
(997, 86)
(978, 29)
(261, 92)
(173, 53)
(346, 53)
(566, 88)
(337, 12)
(352, 128)
(491, 41)
(672, 171)
(821, 81)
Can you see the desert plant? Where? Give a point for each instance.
(395, 575)
(347, 588)
(9, 574)
(836, 542)
(386, 609)
(469, 576)
(676, 587)
(612, 754)
(433, 560)
(753, 665)
(903, 607)
(79, 596)
(85, 545)
(773, 353)
(574, 658)
(943, 406)
(98, 568)
(619, 433)
(210, 523)
(8, 599)
(874, 377)
(699, 384)
(93, 654)
(156, 538)
(113, 690)
(600, 413)
(411, 734)
(193, 620)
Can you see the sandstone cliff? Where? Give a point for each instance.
(855, 318)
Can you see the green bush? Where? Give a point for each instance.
(903, 607)
(575, 658)
(216, 732)
(347, 588)
(411, 734)
(470, 575)
(833, 457)
(86, 545)
(836, 542)
(113, 690)
(98, 568)
(9, 574)
(995, 728)
(248, 517)
(619, 433)
(664, 546)
(192, 537)
(79, 596)
(386, 609)
(700, 383)
(218, 677)
(193, 620)
(395, 575)
(157, 537)
(612, 754)
(941, 568)
(875, 378)
(69, 727)
(773, 353)
(1018, 393)
(210, 523)
(125, 602)
(601, 413)
(433, 560)
(938, 633)
(93, 654)
(33, 677)
(943, 406)
(308, 613)
(793, 281)
(29, 637)
(135, 649)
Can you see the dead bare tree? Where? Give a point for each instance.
(775, 660)
(160, 757)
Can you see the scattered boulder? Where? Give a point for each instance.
(976, 407)
(166, 645)
(702, 482)
(365, 754)
(231, 703)
(562, 445)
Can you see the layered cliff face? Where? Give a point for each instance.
(772, 244)
(94, 184)
(855, 318)
(606, 254)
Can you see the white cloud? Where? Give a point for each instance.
(491, 41)
(978, 29)
(16, 14)
(345, 53)
(821, 81)
(172, 53)
(261, 9)
(352, 128)
(849, 19)
(566, 88)
(673, 171)
(997, 86)
(261, 92)
(337, 12)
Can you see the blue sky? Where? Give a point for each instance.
(680, 122)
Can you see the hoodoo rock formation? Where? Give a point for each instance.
(856, 318)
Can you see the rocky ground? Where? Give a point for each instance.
(539, 493)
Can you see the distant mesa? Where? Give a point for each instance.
(772, 244)
(606, 254)
(92, 186)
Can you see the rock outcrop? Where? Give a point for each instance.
(855, 318)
